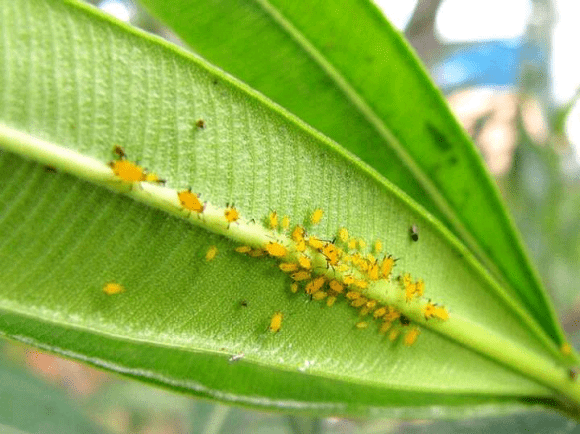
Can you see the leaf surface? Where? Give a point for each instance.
(73, 83)
(347, 72)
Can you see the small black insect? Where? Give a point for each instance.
(414, 231)
(200, 123)
(404, 320)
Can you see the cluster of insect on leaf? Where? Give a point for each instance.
(325, 270)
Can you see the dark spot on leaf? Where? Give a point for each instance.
(438, 138)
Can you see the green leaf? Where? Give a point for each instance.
(353, 77)
(73, 83)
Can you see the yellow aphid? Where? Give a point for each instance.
(330, 252)
(385, 326)
(294, 288)
(330, 300)
(362, 284)
(256, 253)
(231, 214)
(364, 311)
(387, 266)
(315, 285)
(419, 288)
(320, 295)
(361, 325)
(288, 267)
(297, 234)
(352, 244)
(566, 349)
(353, 295)
(153, 178)
(128, 171)
(348, 280)
(362, 244)
(391, 315)
(315, 243)
(361, 301)
(300, 246)
(411, 336)
(276, 322)
(285, 222)
(379, 312)
(373, 271)
(273, 220)
(378, 246)
(393, 335)
(275, 249)
(429, 310)
(112, 288)
(409, 291)
(343, 267)
(336, 286)
(371, 304)
(211, 253)
(316, 216)
(190, 201)
(441, 313)
(305, 262)
(301, 275)
(343, 234)
(243, 249)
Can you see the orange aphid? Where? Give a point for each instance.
(380, 312)
(429, 310)
(361, 325)
(391, 315)
(276, 322)
(411, 336)
(128, 171)
(297, 234)
(243, 249)
(316, 216)
(112, 288)
(285, 222)
(387, 266)
(315, 243)
(320, 295)
(409, 291)
(359, 302)
(362, 284)
(211, 253)
(336, 286)
(256, 253)
(330, 252)
(373, 271)
(190, 201)
(300, 246)
(288, 267)
(419, 288)
(153, 178)
(301, 275)
(385, 326)
(330, 300)
(305, 262)
(231, 214)
(273, 220)
(441, 313)
(294, 288)
(275, 249)
(352, 295)
(394, 334)
(315, 285)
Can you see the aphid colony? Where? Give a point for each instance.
(344, 273)
(326, 270)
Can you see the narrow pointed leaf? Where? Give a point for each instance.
(347, 72)
(73, 84)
